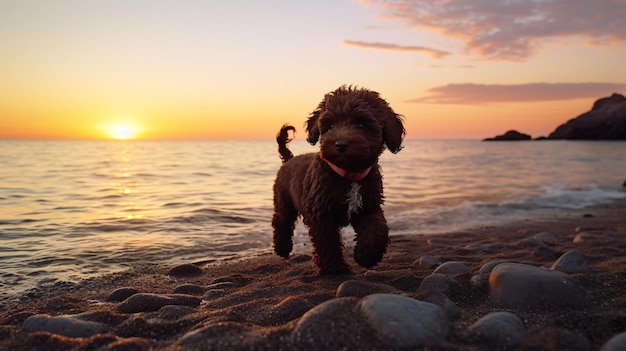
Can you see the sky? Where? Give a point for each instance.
(191, 69)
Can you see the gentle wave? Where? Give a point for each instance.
(468, 213)
(570, 198)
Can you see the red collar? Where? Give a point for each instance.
(353, 176)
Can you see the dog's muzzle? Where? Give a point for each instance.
(341, 145)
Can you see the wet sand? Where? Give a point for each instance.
(268, 303)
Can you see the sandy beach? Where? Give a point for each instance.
(268, 303)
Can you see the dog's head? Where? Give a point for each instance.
(353, 126)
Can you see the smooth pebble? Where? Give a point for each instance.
(152, 302)
(427, 261)
(616, 343)
(405, 322)
(339, 317)
(121, 294)
(482, 277)
(435, 283)
(190, 289)
(583, 238)
(452, 267)
(440, 299)
(62, 325)
(525, 287)
(361, 289)
(571, 262)
(545, 236)
(185, 270)
(499, 329)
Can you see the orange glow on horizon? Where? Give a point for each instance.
(423, 121)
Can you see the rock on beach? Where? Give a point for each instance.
(525, 287)
(338, 317)
(427, 261)
(215, 336)
(499, 329)
(62, 325)
(190, 289)
(571, 262)
(403, 321)
(482, 278)
(121, 294)
(435, 282)
(545, 236)
(185, 270)
(452, 267)
(616, 343)
(583, 237)
(145, 302)
(361, 289)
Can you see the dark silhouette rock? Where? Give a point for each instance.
(511, 135)
(605, 121)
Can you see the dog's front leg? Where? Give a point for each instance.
(372, 237)
(328, 248)
(283, 223)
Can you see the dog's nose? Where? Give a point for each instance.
(341, 145)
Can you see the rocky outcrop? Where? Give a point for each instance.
(511, 135)
(605, 121)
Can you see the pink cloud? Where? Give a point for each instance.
(393, 47)
(511, 30)
(474, 94)
(457, 66)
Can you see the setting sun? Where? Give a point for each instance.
(122, 131)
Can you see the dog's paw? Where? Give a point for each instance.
(283, 249)
(367, 259)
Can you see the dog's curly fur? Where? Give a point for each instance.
(340, 185)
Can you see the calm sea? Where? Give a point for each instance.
(75, 209)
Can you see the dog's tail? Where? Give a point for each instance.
(282, 138)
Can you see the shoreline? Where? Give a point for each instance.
(271, 303)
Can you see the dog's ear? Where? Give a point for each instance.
(393, 131)
(312, 128)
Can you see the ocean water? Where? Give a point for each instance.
(76, 209)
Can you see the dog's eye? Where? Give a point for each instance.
(361, 125)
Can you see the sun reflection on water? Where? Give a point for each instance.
(128, 188)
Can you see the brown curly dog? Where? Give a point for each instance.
(340, 185)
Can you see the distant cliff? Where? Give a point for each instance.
(605, 121)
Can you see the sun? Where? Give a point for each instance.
(123, 131)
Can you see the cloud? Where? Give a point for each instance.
(393, 47)
(456, 66)
(475, 94)
(511, 30)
